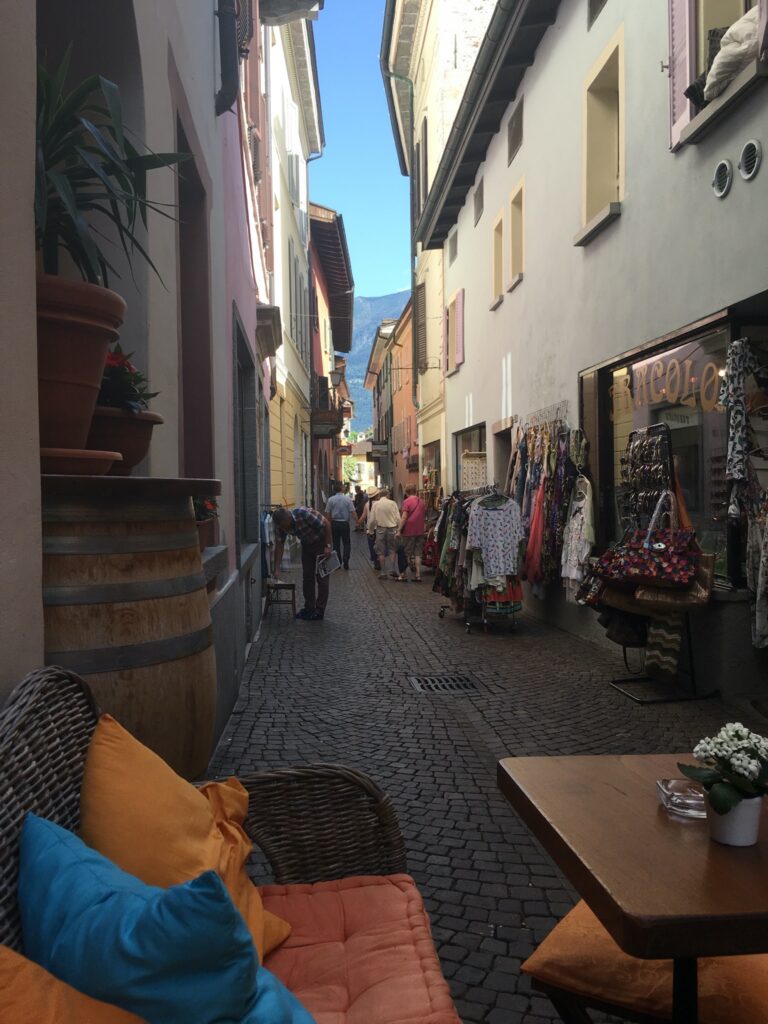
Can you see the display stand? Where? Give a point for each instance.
(648, 470)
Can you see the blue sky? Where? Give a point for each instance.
(359, 174)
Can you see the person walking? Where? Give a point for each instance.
(386, 517)
(340, 509)
(368, 523)
(361, 500)
(412, 530)
(314, 531)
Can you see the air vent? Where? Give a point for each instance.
(723, 179)
(750, 159)
(444, 685)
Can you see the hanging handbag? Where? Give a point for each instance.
(657, 557)
(655, 599)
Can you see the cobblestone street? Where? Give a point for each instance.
(337, 691)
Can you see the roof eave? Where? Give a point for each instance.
(389, 86)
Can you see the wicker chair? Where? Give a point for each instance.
(313, 823)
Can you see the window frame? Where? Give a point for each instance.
(591, 90)
(497, 261)
(517, 113)
(516, 260)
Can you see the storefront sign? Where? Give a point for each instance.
(344, 449)
(379, 450)
(670, 381)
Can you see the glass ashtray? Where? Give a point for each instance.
(681, 797)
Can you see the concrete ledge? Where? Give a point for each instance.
(214, 560)
(599, 222)
(741, 86)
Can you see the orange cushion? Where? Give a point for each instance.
(580, 956)
(155, 825)
(360, 952)
(30, 995)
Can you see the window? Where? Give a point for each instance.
(695, 30)
(516, 237)
(416, 181)
(497, 262)
(515, 132)
(470, 440)
(604, 143)
(479, 200)
(453, 340)
(424, 163)
(453, 246)
(595, 6)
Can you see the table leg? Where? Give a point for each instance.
(685, 992)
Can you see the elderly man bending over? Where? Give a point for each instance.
(314, 532)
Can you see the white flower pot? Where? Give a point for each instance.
(739, 827)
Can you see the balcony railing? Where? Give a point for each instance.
(326, 412)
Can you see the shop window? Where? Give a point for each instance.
(479, 200)
(431, 468)
(516, 236)
(680, 387)
(515, 132)
(497, 257)
(469, 441)
(604, 144)
(696, 28)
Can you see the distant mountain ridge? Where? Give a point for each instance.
(369, 312)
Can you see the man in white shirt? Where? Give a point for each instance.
(385, 515)
(339, 509)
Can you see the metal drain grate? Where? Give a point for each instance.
(444, 684)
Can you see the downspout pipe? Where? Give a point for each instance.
(229, 56)
(391, 75)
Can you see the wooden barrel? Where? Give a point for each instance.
(126, 607)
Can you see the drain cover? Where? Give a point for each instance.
(444, 684)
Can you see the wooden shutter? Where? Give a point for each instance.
(682, 65)
(763, 36)
(460, 327)
(445, 340)
(420, 334)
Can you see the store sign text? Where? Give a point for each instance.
(672, 382)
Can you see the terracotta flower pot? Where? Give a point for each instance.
(76, 324)
(207, 531)
(121, 431)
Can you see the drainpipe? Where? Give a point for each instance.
(394, 76)
(229, 55)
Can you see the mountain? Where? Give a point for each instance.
(369, 312)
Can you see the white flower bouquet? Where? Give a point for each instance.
(735, 766)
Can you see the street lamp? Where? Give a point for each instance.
(336, 377)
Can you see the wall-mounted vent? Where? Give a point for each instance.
(750, 159)
(723, 179)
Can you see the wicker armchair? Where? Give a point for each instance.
(313, 823)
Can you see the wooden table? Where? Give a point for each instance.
(657, 883)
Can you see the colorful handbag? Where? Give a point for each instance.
(656, 557)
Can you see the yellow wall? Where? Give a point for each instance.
(284, 408)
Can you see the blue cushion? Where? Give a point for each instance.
(171, 956)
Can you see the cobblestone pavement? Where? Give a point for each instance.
(336, 691)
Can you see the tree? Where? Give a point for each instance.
(349, 468)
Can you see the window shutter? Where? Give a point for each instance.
(460, 327)
(682, 53)
(445, 340)
(763, 36)
(421, 328)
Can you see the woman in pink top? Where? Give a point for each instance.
(412, 530)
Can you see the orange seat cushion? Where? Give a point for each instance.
(135, 810)
(30, 995)
(580, 956)
(360, 952)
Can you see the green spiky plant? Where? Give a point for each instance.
(88, 174)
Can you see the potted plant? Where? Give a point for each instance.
(86, 168)
(206, 518)
(734, 775)
(122, 421)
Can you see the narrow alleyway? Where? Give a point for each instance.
(337, 691)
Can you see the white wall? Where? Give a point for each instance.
(675, 255)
